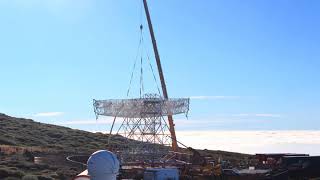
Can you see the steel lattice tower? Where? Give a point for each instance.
(146, 132)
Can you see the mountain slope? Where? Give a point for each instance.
(26, 132)
(23, 139)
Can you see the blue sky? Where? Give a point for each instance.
(247, 65)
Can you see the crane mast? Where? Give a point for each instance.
(162, 80)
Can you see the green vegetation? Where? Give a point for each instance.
(25, 133)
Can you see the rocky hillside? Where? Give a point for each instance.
(23, 139)
(26, 132)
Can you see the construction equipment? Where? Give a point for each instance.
(162, 80)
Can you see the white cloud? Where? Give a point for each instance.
(106, 120)
(198, 121)
(257, 115)
(241, 115)
(84, 122)
(268, 115)
(267, 141)
(213, 121)
(213, 97)
(49, 114)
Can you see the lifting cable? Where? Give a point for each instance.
(151, 67)
(141, 78)
(134, 65)
(140, 51)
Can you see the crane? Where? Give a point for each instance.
(161, 76)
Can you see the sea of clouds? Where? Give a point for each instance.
(244, 141)
(251, 142)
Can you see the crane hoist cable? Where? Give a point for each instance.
(141, 50)
(151, 67)
(135, 62)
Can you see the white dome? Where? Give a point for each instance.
(103, 165)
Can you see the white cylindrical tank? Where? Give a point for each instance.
(103, 165)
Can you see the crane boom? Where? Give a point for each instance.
(162, 80)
